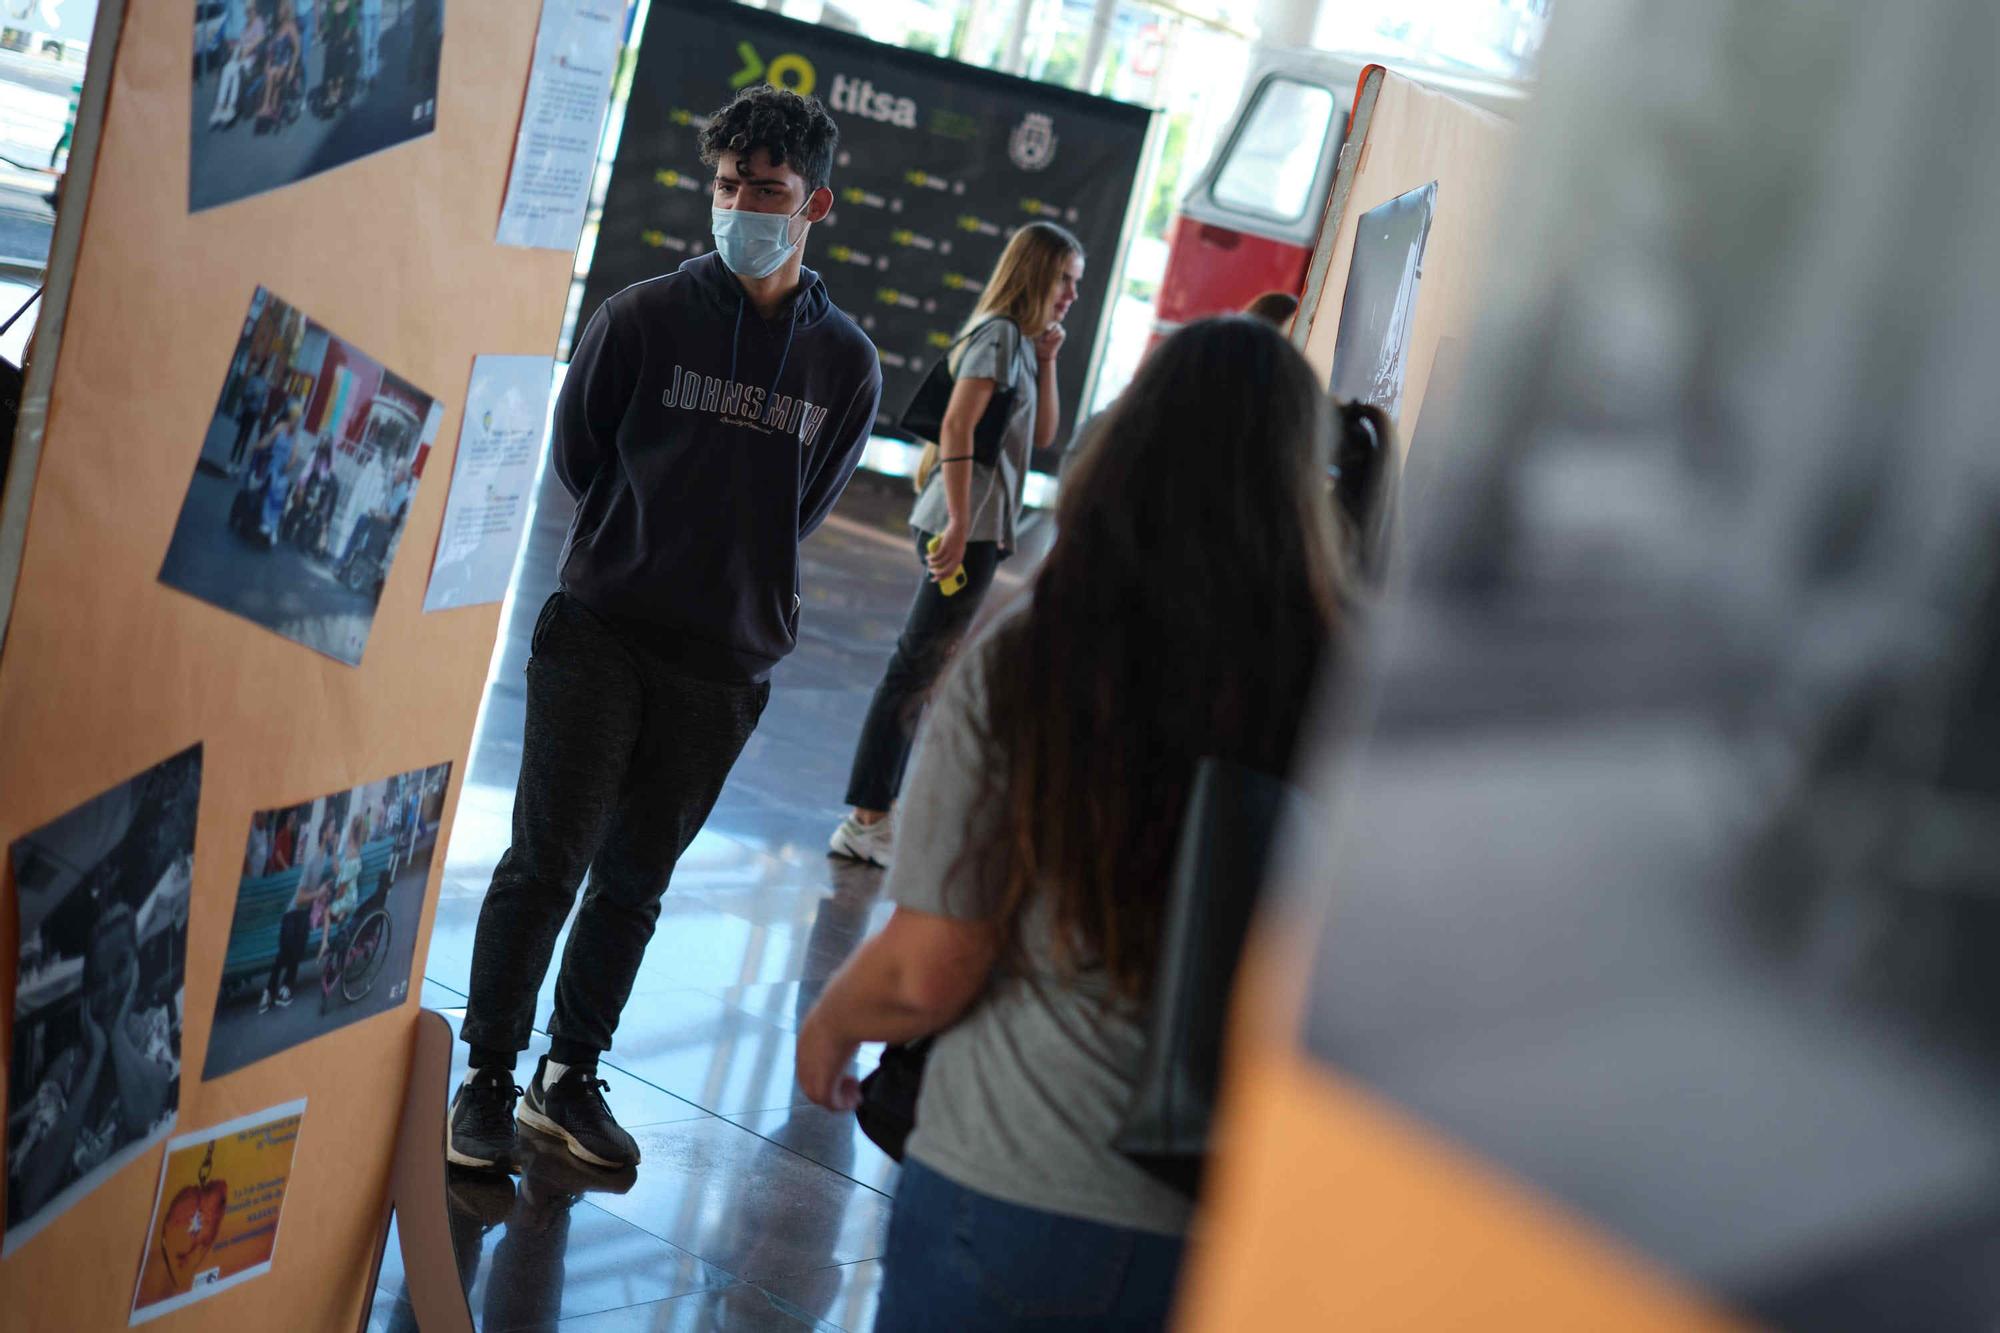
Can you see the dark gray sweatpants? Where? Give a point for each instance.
(621, 762)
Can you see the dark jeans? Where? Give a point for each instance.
(935, 625)
(621, 761)
(960, 1261)
(293, 928)
(246, 428)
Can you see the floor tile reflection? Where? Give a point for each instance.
(831, 1138)
(739, 1309)
(748, 1206)
(842, 1298)
(538, 1250)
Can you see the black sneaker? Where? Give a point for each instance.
(575, 1112)
(481, 1129)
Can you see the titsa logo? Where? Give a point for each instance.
(855, 97)
(858, 97)
(790, 71)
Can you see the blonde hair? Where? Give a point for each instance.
(1022, 286)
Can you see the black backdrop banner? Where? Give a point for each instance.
(939, 163)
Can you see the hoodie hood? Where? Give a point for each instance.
(809, 306)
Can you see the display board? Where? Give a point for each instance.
(390, 261)
(939, 163)
(1404, 137)
(1516, 1260)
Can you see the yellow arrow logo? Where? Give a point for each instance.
(753, 66)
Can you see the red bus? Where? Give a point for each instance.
(1247, 224)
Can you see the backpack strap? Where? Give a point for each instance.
(981, 327)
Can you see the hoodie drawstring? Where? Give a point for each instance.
(784, 357)
(735, 338)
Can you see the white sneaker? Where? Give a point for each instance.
(263, 1002)
(284, 996)
(874, 843)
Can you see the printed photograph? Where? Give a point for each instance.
(303, 483)
(215, 1217)
(325, 924)
(95, 1074)
(1371, 349)
(286, 89)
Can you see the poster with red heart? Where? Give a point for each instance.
(215, 1222)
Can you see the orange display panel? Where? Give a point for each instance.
(105, 669)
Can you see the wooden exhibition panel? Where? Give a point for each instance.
(1399, 1228)
(1405, 136)
(107, 671)
(1396, 1228)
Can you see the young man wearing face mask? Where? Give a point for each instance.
(709, 420)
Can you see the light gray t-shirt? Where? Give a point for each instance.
(1022, 1096)
(1000, 352)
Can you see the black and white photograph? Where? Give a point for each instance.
(1371, 350)
(328, 900)
(286, 89)
(95, 1074)
(303, 484)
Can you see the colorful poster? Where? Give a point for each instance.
(286, 89)
(95, 1073)
(1379, 309)
(215, 1218)
(303, 483)
(328, 900)
(493, 482)
(555, 153)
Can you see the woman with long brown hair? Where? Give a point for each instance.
(966, 511)
(1185, 611)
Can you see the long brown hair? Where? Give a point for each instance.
(1023, 281)
(1184, 611)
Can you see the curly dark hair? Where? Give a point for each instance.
(791, 128)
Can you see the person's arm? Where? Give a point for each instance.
(839, 458)
(915, 978)
(42, 1174)
(969, 398)
(1048, 396)
(596, 391)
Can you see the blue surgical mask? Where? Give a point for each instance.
(754, 245)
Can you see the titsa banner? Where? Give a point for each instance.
(939, 163)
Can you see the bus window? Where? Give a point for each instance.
(1274, 157)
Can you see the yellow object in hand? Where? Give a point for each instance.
(951, 583)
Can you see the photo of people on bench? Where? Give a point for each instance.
(326, 917)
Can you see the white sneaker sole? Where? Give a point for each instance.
(841, 845)
(535, 1120)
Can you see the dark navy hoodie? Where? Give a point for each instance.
(702, 444)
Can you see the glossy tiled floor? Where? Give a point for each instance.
(752, 1209)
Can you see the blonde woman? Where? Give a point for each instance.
(968, 509)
